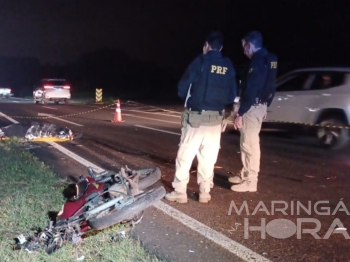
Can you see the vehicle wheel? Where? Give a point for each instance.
(148, 176)
(57, 102)
(333, 138)
(130, 211)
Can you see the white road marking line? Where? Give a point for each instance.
(160, 130)
(230, 122)
(15, 101)
(5, 127)
(153, 109)
(77, 158)
(139, 108)
(170, 111)
(340, 229)
(153, 113)
(227, 243)
(8, 118)
(49, 107)
(60, 119)
(150, 118)
(70, 122)
(147, 106)
(218, 238)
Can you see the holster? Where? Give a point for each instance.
(184, 118)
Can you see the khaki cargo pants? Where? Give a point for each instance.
(204, 142)
(250, 142)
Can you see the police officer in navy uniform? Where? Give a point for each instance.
(257, 95)
(207, 86)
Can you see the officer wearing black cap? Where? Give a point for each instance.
(257, 95)
(207, 86)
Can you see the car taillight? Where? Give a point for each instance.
(48, 87)
(66, 87)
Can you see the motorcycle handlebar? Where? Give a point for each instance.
(102, 177)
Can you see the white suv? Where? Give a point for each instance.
(5, 92)
(315, 96)
(56, 90)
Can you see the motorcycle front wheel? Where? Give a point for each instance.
(142, 202)
(148, 176)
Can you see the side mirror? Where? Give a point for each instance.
(91, 172)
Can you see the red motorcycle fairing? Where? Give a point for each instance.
(84, 189)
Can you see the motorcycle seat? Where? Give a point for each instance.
(81, 188)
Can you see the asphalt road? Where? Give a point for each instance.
(295, 173)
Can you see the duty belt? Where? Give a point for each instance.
(204, 111)
(198, 118)
(258, 104)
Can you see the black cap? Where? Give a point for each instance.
(215, 40)
(255, 38)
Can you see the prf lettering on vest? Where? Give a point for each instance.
(273, 64)
(218, 69)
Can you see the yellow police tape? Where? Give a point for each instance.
(100, 108)
(310, 124)
(63, 116)
(229, 115)
(298, 123)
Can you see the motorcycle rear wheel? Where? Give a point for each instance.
(128, 212)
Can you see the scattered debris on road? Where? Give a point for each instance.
(37, 132)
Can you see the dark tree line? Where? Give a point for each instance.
(113, 71)
(109, 69)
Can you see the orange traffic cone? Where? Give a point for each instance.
(118, 113)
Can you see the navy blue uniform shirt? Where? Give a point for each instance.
(212, 79)
(260, 80)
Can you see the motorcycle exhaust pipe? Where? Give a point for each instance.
(96, 210)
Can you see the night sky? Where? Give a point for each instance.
(170, 34)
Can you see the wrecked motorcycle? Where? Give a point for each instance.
(97, 202)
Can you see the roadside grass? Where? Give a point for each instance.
(29, 190)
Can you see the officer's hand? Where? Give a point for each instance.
(205, 50)
(238, 123)
(265, 115)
